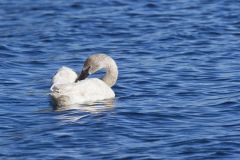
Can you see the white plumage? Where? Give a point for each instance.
(88, 90)
(68, 88)
(63, 76)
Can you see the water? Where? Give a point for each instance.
(178, 91)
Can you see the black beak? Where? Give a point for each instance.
(84, 74)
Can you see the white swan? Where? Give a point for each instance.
(69, 89)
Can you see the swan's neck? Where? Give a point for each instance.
(111, 75)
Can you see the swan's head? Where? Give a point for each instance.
(93, 64)
(97, 62)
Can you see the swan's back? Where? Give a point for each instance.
(64, 75)
(87, 90)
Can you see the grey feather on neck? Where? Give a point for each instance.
(110, 78)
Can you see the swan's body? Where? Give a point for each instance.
(69, 89)
(88, 90)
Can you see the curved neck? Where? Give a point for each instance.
(111, 75)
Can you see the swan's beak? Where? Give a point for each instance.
(84, 74)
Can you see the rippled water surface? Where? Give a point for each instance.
(178, 91)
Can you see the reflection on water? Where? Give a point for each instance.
(71, 118)
(78, 112)
(92, 107)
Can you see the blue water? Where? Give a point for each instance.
(178, 92)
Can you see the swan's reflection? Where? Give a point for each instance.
(91, 107)
(84, 110)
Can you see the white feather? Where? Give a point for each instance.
(87, 90)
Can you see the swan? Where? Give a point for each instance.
(68, 88)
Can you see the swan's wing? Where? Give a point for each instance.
(92, 89)
(64, 75)
(86, 90)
